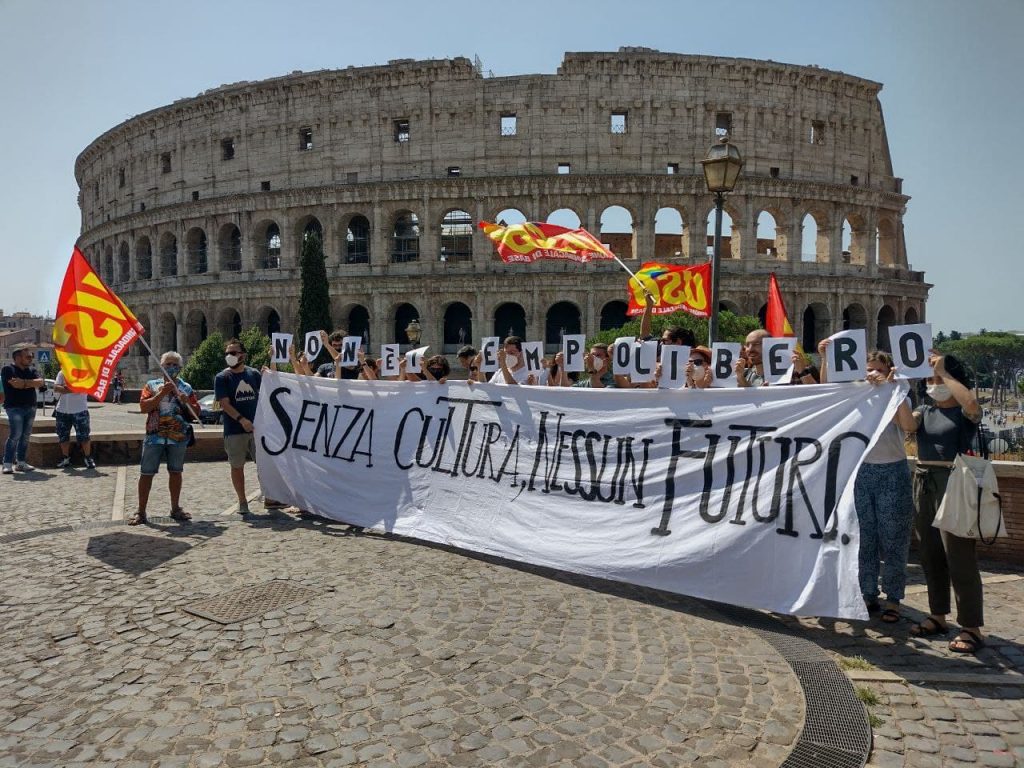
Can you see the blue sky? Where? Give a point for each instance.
(953, 103)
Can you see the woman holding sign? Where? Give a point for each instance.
(883, 499)
(946, 423)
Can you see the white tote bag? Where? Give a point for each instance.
(971, 507)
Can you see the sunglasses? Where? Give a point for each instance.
(697, 361)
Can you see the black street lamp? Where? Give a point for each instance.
(721, 170)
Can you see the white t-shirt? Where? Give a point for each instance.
(70, 402)
(519, 376)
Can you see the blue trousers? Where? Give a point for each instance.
(885, 512)
(19, 420)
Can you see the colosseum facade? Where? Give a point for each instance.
(196, 212)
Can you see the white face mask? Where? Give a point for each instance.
(598, 363)
(231, 360)
(939, 392)
(511, 361)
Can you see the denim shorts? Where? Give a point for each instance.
(152, 455)
(80, 421)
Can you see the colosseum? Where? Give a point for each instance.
(196, 212)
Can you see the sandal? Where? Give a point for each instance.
(970, 644)
(138, 518)
(928, 627)
(890, 615)
(180, 514)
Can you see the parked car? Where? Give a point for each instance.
(46, 396)
(209, 410)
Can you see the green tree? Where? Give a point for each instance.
(207, 361)
(314, 298)
(730, 327)
(51, 368)
(996, 357)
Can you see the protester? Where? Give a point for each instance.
(334, 370)
(368, 368)
(20, 381)
(72, 410)
(116, 388)
(750, 367)
(945, 425)
(804, 370)
(698, 368)
(169, 405)
(511, 363)
(883, 499)
(597, 369)
(469, 359)
(434, 368)
(237, 389)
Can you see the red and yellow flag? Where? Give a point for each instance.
(673, 288)
(92, 330)
(776, 322)
(530, 241)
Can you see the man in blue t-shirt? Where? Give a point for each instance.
(237, 388)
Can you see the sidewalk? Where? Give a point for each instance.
(375, 650)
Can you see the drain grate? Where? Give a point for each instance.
(26, 535)
(247, 602)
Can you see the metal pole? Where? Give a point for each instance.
(716, 256)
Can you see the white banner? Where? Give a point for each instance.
(744, 496)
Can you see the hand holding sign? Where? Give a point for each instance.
(573, 345)
(776, 354)
(389, 360)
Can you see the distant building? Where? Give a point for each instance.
(24, 328)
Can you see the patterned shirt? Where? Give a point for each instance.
(165, 424)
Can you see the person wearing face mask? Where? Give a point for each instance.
(597, 369)
(511, 363)
(169, 405)
(945, 424)
(237, 389)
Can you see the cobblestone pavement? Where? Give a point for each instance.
(396, 653)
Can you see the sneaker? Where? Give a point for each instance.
(64, 463)
(24, 466)
(243, 508)
(8, 469)
(89, 463)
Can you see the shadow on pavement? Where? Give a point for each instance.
(138, 552)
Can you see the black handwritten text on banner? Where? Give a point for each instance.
(738, 495)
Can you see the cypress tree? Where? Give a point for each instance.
(314, 298)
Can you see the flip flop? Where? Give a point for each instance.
(970, 644)
(181, 515)
(928, 627)
(890, 616)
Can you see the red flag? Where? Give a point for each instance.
(776, 322)
(673, 287)
(92, 330)
(530, 241)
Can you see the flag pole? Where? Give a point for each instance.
(631, 274)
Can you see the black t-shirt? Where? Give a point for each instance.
(243, 391)
(18, 398)
(327, 371)
(943, 433)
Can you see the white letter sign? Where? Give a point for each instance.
(910, 345)
(846, 358)
(489, 354)
(280, 342)
(775, 355)
(674, 359)
(572, 351)
(724, 355)
(622, 355)
(389, 360)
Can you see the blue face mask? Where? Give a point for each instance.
(172, 370)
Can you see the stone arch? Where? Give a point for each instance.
(456, 326)
(814, 238)
(107, 270)
(405, 238)
(167, 334)
(143, 259)
(456, 241)
(510, 216)
(196, 256)
(403, 315)
(561, 318)
(855, 239)
(817, 324)
(229, 246)
(564, 217)
(730, 233)
(196, 330)
(885, 242)
(613, 315)
(124, 263)
(670, 241)
(911, 317)
(267, 239)
(886, 320)
(854, 316)
(229, 322)
(767, 235)
(618, 231)
(357, 240)
(728, 305)
(308, 226)
(357, 323)
(510, 320)
(268, 320)
(168, 254)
